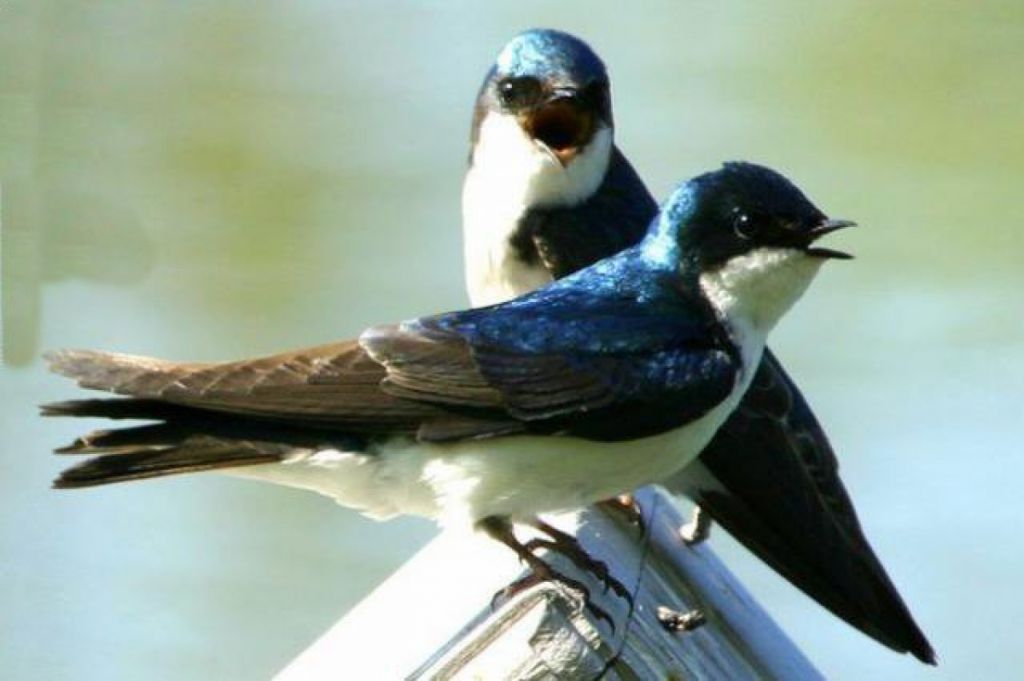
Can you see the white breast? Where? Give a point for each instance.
(511, 174)
(751, 292)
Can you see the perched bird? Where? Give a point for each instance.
(547, 192)
(606, 380)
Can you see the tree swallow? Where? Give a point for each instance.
(547, 193)
(603, 381)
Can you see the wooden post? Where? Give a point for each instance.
(433, 618)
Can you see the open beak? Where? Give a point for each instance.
(827, 227)
(561, 125)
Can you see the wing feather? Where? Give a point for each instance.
(595, 368)
(595, 365)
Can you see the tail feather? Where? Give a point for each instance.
(183, 440)
(152, 437)
(117, 408)
(194, 454)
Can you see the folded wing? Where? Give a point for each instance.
(771, 479)
(520, 368)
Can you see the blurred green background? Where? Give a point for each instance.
(208, 180)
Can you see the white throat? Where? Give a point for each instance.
(511, 174)
(751, 292)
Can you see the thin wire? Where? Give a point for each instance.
(644, 553)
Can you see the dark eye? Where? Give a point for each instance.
(745, 225)
(516, 93)
(596, 94)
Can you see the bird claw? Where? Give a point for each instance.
(501, 529)
(549, 574)
(583, 561)
(625, 505)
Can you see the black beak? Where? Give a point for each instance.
(820, 230)
(563, 123)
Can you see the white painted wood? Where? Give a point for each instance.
(432, 619)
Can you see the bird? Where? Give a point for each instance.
(547, 192)
(595, 384)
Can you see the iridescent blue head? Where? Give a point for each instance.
(555, 58)
(738, 210)
(555, 87)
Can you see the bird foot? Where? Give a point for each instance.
(583, 560)
(541, 572)
(627, 506)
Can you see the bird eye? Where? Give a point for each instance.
(745, 226)
(516, 93)
(596, 93)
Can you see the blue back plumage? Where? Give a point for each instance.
(625, 348)
(622, 303)
(648, 295)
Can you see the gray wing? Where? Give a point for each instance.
(335, 385)
(228, 415)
